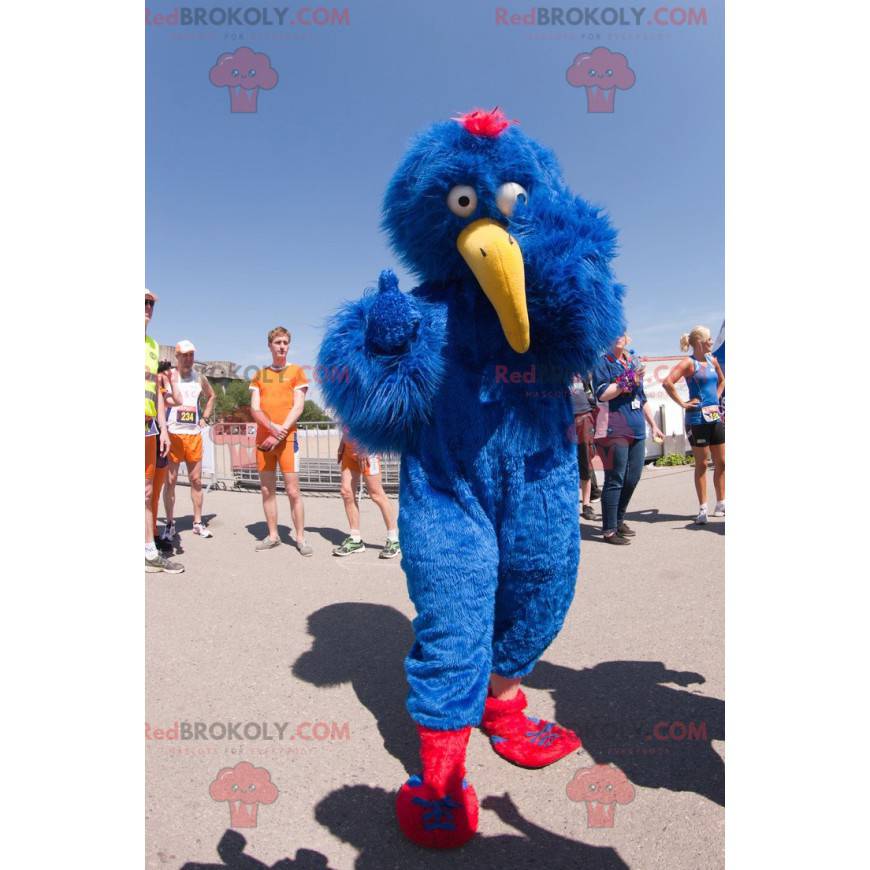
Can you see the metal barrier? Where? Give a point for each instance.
(234, 459)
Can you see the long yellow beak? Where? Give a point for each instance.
(495, 258)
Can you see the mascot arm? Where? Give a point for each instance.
(580, 313)
(381, 365)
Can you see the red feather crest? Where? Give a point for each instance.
(483, 123)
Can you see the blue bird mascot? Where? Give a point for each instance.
(467, 376)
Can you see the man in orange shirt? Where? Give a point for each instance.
(277, 401)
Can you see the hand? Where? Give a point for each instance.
(692, 403)
(503, 806)
(393, 318)
(280, 432)
(202, 423)
(657, 434)
(164, 442)
(270, 443)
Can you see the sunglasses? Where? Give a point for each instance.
(149, 302)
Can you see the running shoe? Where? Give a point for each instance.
(161, 563)
(268, 544)
(615, 539)
(719, 510)
(702, 516)
(625, 531)
(202, 531)
(391, 550)
(168, 532)
(587, 513)
(348, 546)
(305, 549)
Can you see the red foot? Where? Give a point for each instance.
(522, 739)
(440, 809)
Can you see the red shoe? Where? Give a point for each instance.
(525, 740)
(439, 810)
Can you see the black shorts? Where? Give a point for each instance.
(706, 434)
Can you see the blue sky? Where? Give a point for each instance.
(272, 217)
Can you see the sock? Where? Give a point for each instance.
(150, 551)
(392, 535)
(702, 508)
(720, 503)
(355, 536)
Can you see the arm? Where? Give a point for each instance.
(381, 365)
(678, 371)
(282, 431)
(259, 415)
(163, 443)
(650, 418)
(574, 301)
(208, 392)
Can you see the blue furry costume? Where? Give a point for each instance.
(467, 376)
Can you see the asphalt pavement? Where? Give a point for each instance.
(294, 665)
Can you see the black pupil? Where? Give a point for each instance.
(464, 200)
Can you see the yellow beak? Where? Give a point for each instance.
(496, 260)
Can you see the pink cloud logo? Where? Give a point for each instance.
(244, 73)
(601, 787)
(244, 787)
(602, 72)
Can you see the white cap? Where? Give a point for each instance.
(149, 293)
(184, 346)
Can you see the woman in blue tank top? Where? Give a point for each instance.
(705, 425)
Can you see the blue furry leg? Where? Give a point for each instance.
(537, 578)
(450, 557)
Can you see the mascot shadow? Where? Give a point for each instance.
(624, 711)
(365, 818)
(231, 850)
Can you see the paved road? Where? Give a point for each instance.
(315, 646)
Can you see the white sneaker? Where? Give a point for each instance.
(168, 532)
(202, 531)
(702, 516)
(719, 510)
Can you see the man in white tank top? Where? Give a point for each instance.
(185, 424)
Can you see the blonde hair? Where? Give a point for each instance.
(278, 330)
(688, 339)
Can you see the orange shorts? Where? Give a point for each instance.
(359, 464)
(150, 456)
(185, 448)
(285, 455)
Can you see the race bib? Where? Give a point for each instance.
(710, 413)
(185, 415)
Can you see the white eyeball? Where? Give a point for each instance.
(507, 196)
(462, 200)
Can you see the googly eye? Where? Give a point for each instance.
(508, 195)
(235, 73)
(609, 73)
(251, 73)
(462, 200)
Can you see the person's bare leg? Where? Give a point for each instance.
(503, 688)
(270, 503)
(701, 454)
(297, 509)
(194, 475)
(718, 453)
(586, 492)
(379, 497)
(149, 514)
(349, 487)
(169, 492)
